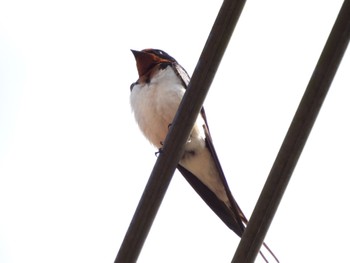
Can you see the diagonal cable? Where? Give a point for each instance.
(296, 138)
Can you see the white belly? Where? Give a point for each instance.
(155, 105)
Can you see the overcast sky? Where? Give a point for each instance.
(73, 163)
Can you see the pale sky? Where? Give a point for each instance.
(73, 163)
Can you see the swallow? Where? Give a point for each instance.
(155, 98)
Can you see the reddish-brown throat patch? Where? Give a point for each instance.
(145, 61)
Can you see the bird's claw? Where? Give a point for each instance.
(160, 150)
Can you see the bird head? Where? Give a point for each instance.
(148, 58)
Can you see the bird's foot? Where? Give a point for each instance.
(160, 150)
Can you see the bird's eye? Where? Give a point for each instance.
(163, 54)
(158, 52)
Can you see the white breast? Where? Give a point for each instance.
(155, 104)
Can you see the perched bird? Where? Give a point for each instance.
(155, 98)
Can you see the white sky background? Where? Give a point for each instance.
(73, 163)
